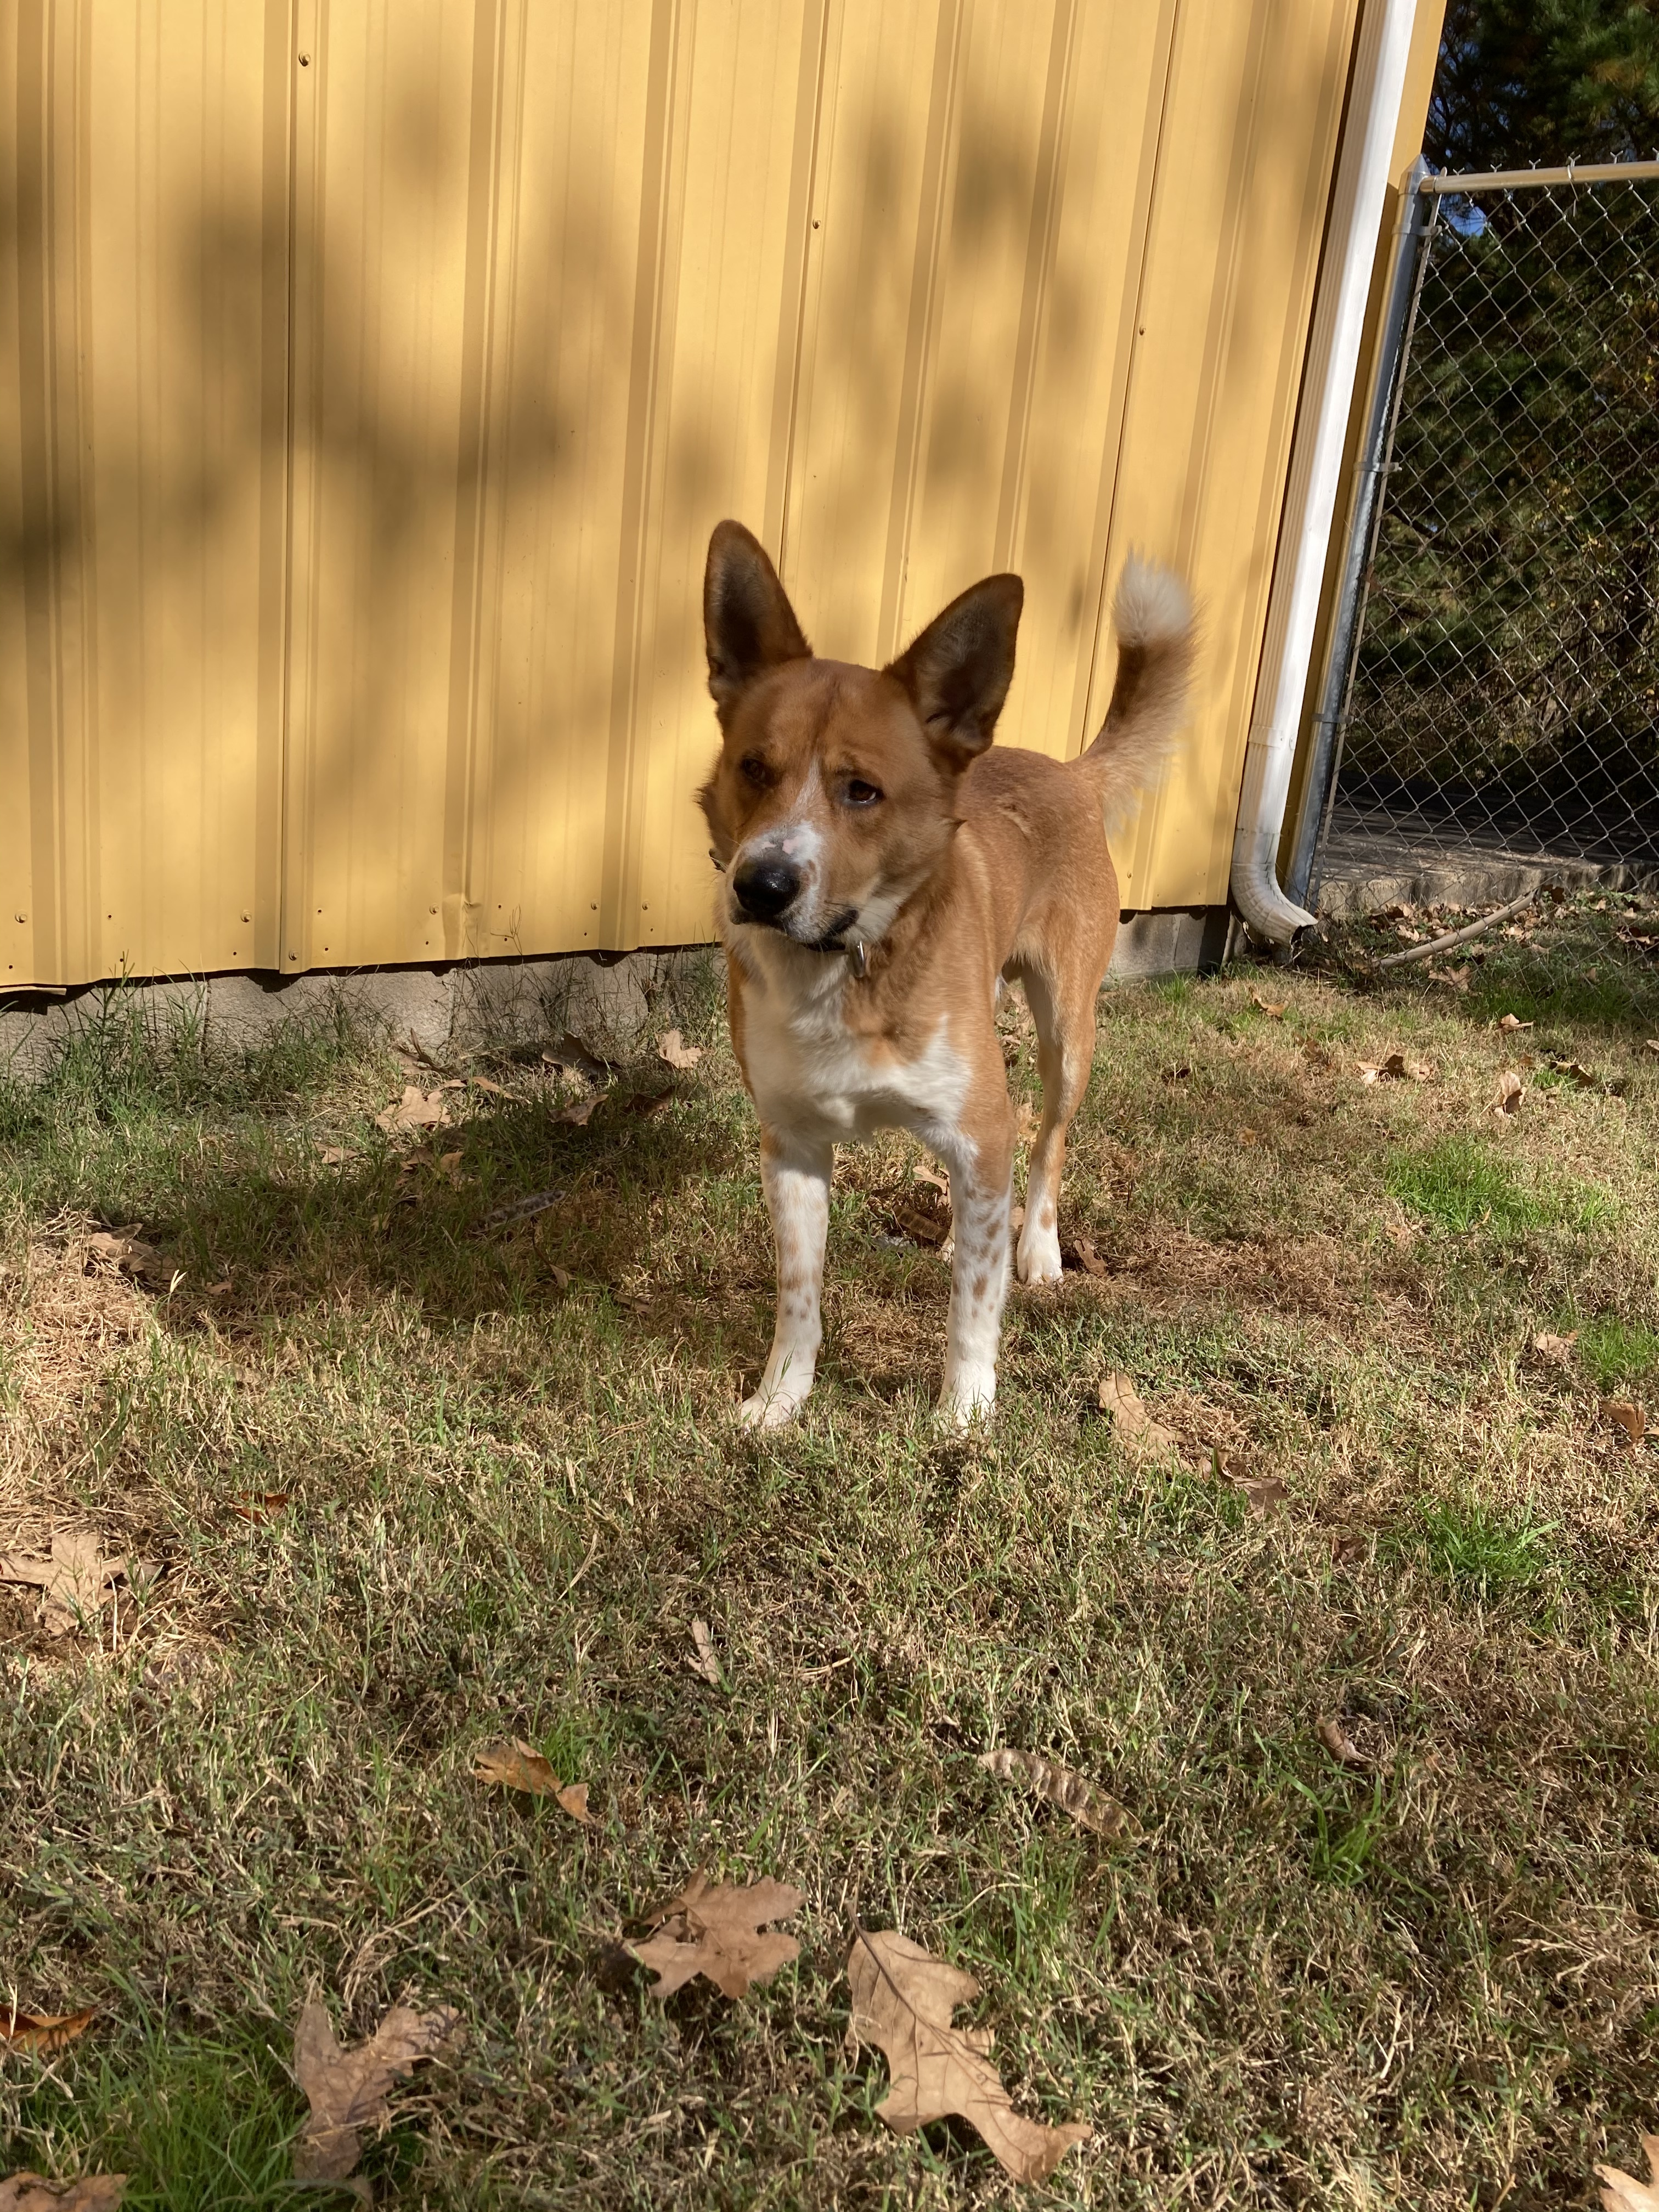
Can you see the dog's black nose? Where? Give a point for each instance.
(765, 887)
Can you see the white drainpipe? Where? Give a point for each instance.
(1362, 182)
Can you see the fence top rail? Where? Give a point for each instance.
(1575, 172)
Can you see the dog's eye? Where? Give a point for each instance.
(861, 793)
(753, 769)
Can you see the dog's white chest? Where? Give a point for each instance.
(810, 1076)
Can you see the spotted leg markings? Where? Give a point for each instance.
(1039, 1240)
(797, 1182)
(979, 1284)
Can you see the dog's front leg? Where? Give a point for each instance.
(797, 1179)
(980, 1192)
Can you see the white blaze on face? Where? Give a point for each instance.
(799, 837)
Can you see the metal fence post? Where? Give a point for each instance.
(1417, 212)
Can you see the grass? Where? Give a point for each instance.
(509, 1478)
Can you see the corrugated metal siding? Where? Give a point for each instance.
(365, 415)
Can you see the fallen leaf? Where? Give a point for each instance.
(33, 2192)
(43, 2031)
(903, 2000)
(257, 1506)
(1087, 1257)
(1347, 1545)
(1339, 1744)
(520, 1765)
(1089, 1806)
(1628, 1420)
(705, 1662)
(1585, 1078)
(579, 1115)
(1512, 1022)
(219, 1289)
(1132, 1422)
(1274, 1013)
(416, 1109)
(72, 1581)
(1511, 1091)
(1028, 1121)
(1247, 1136)
(1556, 1349)
(332, 1155)
(923, 1173)
(130, 1254)
(1455, 979)
(717, 1929)
(495, 1090)
(1623, 2192)
(347, 2089)
(669, 1048)
(1396, 1067)
(1651, 1044)
(1263, 1494)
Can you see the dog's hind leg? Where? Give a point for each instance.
(797, 1179)
(1063, 1009)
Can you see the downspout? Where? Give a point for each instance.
(1357, 202)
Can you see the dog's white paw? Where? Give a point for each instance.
(1039, 1257)
(770, 1409)
(967, 1396)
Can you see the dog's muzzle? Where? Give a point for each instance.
(766, 887)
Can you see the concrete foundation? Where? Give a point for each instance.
(608, 1002)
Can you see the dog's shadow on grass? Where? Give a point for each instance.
(607, 1210)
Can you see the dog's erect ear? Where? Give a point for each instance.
(748, 623)
(958, 671)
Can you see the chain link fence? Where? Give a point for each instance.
(1497, 695)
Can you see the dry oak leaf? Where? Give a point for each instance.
(1512, 1092)
(1262, 1493)
(1089, 1806)
(1339, 1744)
(48, 2030)
(704, 1663)
(347, 2089)
(1132, 1422)
(1273, 1013)
(1088, 1256)
(903, 2000)
(1512, 1022)
(416, 1109)
(72, 1581)
(1396, 1067)
(1630, 1420)
(580, 1114)
(33, 2192)
(1624, 2193)
(1556, 1349)
(130, 1253)
(720, 1929)
(520, 1765)
(677, 1055)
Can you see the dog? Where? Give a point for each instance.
(885, 873)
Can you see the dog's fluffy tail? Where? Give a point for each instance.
(1157, 645)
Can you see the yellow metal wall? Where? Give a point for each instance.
(373, 373)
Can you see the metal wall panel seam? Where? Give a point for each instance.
(1041, 238)
(299, 674)
(277, 477)
(1089, 664)
(938, 178)
(645, 369)
(487, 170)
(810, 124)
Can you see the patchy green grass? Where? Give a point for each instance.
(1613, 1352)
(413, 1483)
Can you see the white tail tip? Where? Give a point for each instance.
(1152, 604)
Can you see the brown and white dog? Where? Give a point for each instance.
(885, 873)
